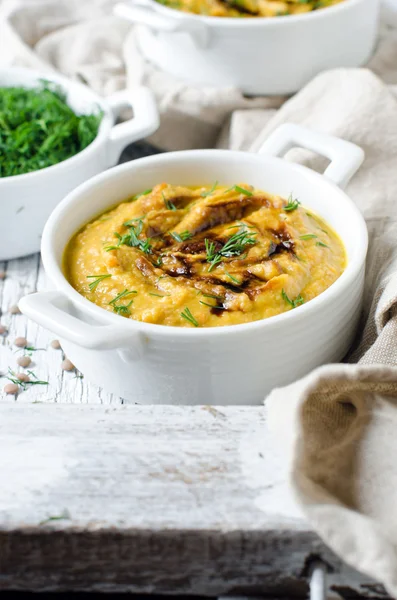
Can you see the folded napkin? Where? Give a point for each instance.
(336, 426)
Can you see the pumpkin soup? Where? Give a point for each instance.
(204, 257)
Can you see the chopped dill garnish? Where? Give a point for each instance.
(131, 238)
(293, 303)
(145, 193)
(182, 237)
(322, 244)
(122, 309)
(158, 295)
(212, 305)
(158, 262)
(97, 280)
(187, 315)
(233, 278)
(234, 246)
(211, 191)
(237, 188)
(38, 128)
(308, 236)
(24, 384)
(210, 296)
(168, 204)
(293, 204)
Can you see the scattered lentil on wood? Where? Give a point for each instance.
(23, 377)
(67, 365)
(3, 330)
(21, 342)
(14, 310)
(11, 388)
(56, 344)
(24, 361)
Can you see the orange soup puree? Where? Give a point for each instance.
(204, 257)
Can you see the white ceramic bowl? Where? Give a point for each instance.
(277, 55)
(236, 364)
(26, 201)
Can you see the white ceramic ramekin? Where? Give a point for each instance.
(260, 56)
(26, 201)
(237, 364)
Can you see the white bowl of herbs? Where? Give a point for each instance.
(54, 135)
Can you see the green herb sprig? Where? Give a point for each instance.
(293, 303)
(97, 280)
(240, 190)
(24, 384)
(234, 246)
(131, 238)
(293, 204)
(182, 237)
(122, 309)
(211, 191)
(187, 315)
(308, 236)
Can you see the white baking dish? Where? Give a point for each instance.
(260, 56)
(236, 364)
(26, 201)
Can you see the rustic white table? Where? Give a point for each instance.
(97, 495)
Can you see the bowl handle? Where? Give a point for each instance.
(145, 120)
(50, 310)
(346, 158)
(147, 15)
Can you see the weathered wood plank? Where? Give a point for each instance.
(154, 500)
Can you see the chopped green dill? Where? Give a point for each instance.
(234, 246)
(61, 517)
(293, 204)
(24, 384)
(158, 295)
(187, 315)
(232, 278)
(182, 237)
(237, 188)
(241, 224)
(122, 309)
(211, 191)
(212, 305)
(131, 238)
(308, 236)
(210, 296)
(168, 204)
(121, 295)
(97, 280)
(145, 193)
(293, 303)
(132, 222)
(158, 262)
(38, 128)
(322, 244)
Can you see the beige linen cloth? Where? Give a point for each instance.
(338, 426)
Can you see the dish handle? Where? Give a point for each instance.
(145, 121)
(146, 15)
(346, 158)
(50, 310)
